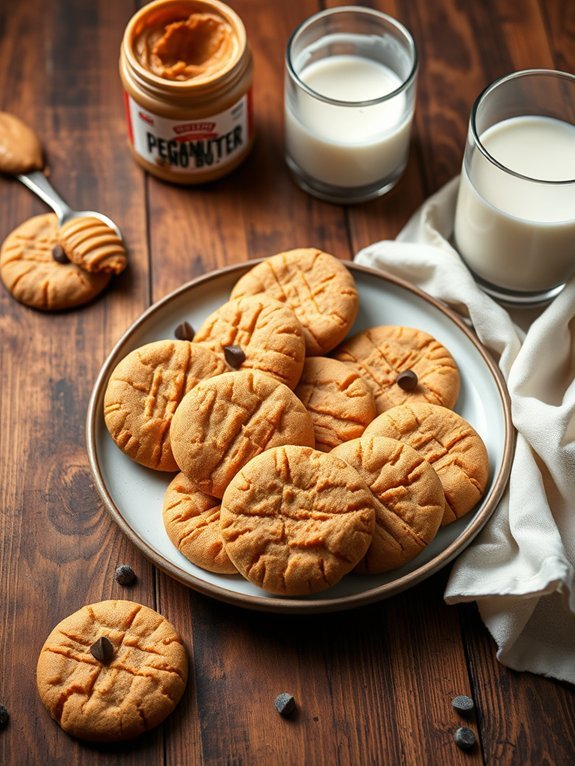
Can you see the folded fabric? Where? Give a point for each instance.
(521, 568)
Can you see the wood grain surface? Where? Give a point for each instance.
(373, 686)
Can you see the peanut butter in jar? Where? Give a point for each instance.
(187, 69)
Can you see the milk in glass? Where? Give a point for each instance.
(349, 145)
(514, 232)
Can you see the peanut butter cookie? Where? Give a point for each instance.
(34, 272)
(93, 245)
(316, 285)
(225, 421)
(295, 520)
(410, 499)
(402, 364)
(340, 403)
(267, 332)
(111, 671)
(449, 443)
(144, 391)
(192, 521)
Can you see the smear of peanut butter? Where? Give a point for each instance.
(20, 147)
(198, 46)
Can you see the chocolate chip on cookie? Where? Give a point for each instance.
(402, 364)
(257, 333)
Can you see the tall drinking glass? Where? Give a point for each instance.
(515, 214)
(349, 100)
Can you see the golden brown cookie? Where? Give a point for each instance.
(447, 441)
(381, 354)
(339, 401)
(33, 276)
(144, 391)
(267, 331)
(316, 285)
(93, 245)
(225, 421)
(111, 671)
(410, 499)
(192, 521)
(295, 520)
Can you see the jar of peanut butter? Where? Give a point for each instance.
(187, 69)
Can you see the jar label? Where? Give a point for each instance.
(189, 146)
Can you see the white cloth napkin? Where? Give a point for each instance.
(521, 568)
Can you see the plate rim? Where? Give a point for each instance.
(289, 604)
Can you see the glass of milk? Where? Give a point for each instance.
(349, 99)
(515, 214)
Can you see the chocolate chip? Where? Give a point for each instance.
(407, 380)
(125, 575)
(59, 255)
(285, 704)
(184, 331)
(464, 738)
(234, 356)
(4, 717)
(102, 650)
(463, 704)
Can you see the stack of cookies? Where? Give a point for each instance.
(301, 454)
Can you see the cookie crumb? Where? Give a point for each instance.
(464, 738)
(285, 704)
(125, 575)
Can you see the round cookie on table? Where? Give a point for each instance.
(402, 364)
(267, 333)
(315, 285)
(111, 671)
(39, 275)
(339, 401)
(143, 392)
(410, 500)
(226, 420)
(295, 520)
(449, 443)
(192, 521)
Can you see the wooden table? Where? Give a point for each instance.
(373, 686)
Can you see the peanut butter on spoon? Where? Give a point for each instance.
(20, 147)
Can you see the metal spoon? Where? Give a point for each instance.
(37, 182)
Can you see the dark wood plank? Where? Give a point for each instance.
(59, 547)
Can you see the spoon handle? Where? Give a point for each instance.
(37, 182)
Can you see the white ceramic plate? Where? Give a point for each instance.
(134, 495)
